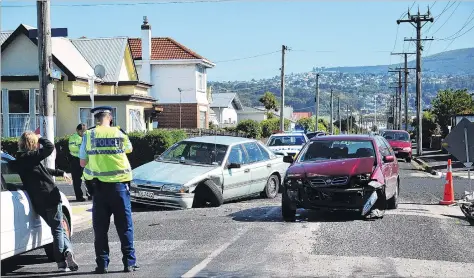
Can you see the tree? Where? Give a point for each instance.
(251, 127)
(307, 123)
(269, 101)
(375, 128)
(428, 124)
(449, 103)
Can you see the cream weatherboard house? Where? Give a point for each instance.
(75, 59)
(179, 78)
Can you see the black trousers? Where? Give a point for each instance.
(76, 172)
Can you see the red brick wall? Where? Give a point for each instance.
(169, 118)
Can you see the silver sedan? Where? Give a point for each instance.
(207, 171)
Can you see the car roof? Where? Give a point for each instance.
(221, 140)
(395, 130)
(287, 134)
(344, 137)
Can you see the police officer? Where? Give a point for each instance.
(108, 173)
(75, 142)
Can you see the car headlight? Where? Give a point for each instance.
(174, 188)
(407, 149)
(375, 184)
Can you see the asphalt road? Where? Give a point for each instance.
(249, 239)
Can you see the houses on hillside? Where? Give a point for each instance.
(150, 82)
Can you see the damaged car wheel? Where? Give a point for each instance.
(271, 189)
(207, 194)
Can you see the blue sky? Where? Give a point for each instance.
(336, 33)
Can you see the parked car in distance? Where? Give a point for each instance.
(314, 134)
(22, 229)
(287, 143)
(208, 170)
(340, 172)
(400, 142)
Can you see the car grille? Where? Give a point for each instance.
(149, 187)
(329, 181)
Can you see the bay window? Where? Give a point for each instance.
(135, 120)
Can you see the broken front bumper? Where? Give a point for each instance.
(330, 197)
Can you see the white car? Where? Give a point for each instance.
(208, 170)
(287, 143)
(22, 228)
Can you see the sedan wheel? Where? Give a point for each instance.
(271, 189)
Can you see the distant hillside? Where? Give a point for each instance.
(358, 86)
(454, 62)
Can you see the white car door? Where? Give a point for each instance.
(260, 167)
(7, 223)
(236, 180)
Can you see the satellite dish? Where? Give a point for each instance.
(99, 71)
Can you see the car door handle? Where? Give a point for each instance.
(247, 170)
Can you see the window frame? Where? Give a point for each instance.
(248, 153)
(246, 158)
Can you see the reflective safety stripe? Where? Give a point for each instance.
(105, 174)
(93, 152)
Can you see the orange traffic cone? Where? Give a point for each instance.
(448, 187)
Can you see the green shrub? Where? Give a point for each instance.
(270, 125)
(251, 127)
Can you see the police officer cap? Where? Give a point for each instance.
(101, 109)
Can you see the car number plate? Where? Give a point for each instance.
(146, 194)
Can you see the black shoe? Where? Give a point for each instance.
(99, 270)
(81, 199)
(131, 268)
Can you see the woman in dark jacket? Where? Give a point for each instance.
(44, 195)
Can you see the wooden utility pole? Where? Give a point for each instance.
(316, 101)
(282, 105)
(332, 113)
(339, 113)
(46, 86)
(347, 122)
(418, 21)
(398, 101)
(406, 84)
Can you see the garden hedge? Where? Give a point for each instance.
(145, 146)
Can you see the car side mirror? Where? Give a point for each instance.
(388, 158)
(233, 166)
(288, 159)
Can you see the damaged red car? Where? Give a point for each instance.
(342, 172)
(400, 142)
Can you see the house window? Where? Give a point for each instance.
(136, 121)
(202, 119)
(87, 118)
(18, 112)
(201, 80)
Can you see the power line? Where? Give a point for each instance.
(249, 57)
(446, 21)
(469, 20)
(122, 4)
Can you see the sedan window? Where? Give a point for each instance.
(254, 152)
(237, 155)
(195, 152)
(10, 178)
(332, 150)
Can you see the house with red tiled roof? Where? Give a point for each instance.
(179, 78)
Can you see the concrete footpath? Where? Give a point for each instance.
(436, 163)
(81, 214)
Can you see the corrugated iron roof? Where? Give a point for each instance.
(108, 52)
(4, 36)
(225, 99)
(70, 57)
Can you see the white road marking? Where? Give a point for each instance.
(199, 267)
(435, 211)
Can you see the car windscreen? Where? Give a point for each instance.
(291, 140)
(336, 149)
(195, 153)
(398, 136)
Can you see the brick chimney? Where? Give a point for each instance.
(145, 74)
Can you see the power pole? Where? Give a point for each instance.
(339, 113)
(316, 101)
(347, 120)
(398, 101)
(332, 113)
(46, 85)
(418, 21)
(282, 105)
(406, 84)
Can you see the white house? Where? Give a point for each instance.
(250, 113)
(179, 78)
(225, 107)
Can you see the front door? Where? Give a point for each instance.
(237, 180)
(386, 167)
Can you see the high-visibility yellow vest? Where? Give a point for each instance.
(107, 159)
(75, 142)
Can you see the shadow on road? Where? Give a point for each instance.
(17, 262)
(273, 214)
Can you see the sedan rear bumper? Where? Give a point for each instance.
(168, 199)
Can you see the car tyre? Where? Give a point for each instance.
(208, 193)
(272, 188)
(408, 159)
(287, 212)
(392, 203)
(48, 249)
